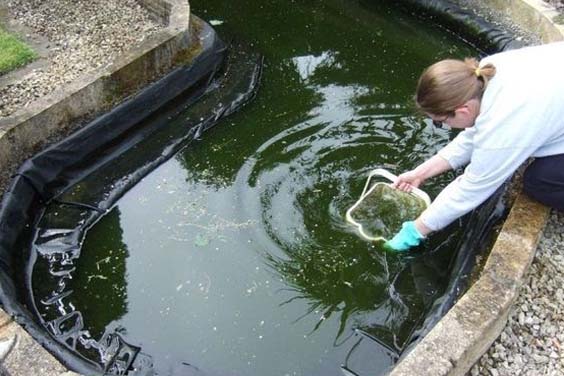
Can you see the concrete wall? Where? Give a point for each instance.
(159, 10)
(533, 15)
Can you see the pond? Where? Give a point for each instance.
(234, 257)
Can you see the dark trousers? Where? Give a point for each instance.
(544, 180)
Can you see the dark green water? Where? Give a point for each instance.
(235, 256)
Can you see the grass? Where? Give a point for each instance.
(13, 52)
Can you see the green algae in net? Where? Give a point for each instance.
(381, 209)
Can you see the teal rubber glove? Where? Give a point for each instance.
(406, 238)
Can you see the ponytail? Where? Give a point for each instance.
(449, 83)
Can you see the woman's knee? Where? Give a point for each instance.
(543, 180)
(532, 180)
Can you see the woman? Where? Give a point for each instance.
(510, 107)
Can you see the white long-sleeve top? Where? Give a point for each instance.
(521, 115)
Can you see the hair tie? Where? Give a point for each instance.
(477, 72)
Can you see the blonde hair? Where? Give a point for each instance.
(450, 83)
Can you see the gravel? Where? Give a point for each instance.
(83, 35)
(558, 4)
(532, 343)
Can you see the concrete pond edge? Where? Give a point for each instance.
(455, 343)
(535, 16)
(471, 326)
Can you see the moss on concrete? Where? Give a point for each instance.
(194, 47)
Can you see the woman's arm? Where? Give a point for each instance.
(487, 171)
(456, 154)
(412, 179)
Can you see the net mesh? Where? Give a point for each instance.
(383, 209)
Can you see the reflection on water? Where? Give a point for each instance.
(109, 284)
(235, 257)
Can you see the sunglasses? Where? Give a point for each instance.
(439, 122)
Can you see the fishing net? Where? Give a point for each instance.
(381, 209)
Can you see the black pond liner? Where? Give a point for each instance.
(211, 89)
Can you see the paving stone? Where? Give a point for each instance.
(5, 319)
(25, 356)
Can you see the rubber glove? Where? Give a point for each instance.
(406, 238)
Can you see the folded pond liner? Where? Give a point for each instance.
(65, 177)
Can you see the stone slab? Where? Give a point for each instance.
(21, 355)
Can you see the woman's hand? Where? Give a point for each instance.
(412, 233)
(414, 178)
(408, 180)
(408, 237)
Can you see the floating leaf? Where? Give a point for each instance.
(201, 240)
